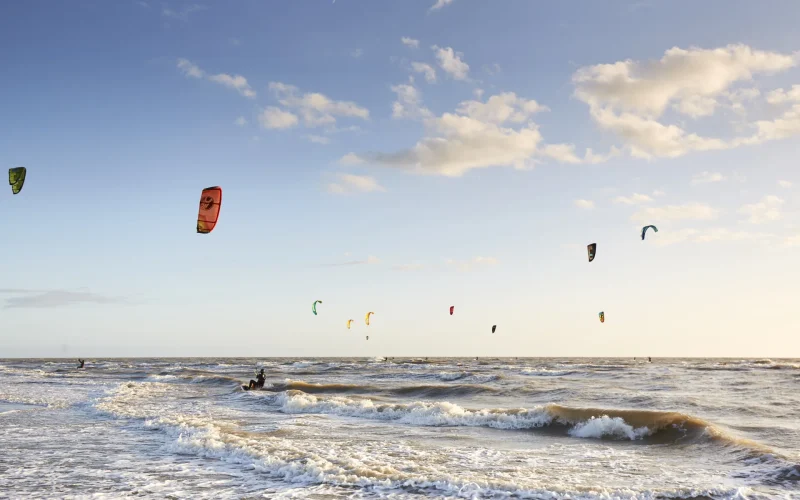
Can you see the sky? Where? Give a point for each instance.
(401, 157)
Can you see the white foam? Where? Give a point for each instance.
(607, 426)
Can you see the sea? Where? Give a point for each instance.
(334, 428)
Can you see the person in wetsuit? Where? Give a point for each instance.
(81, 363)
(258, 383)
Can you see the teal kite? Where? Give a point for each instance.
(644, 230)
(314, 307)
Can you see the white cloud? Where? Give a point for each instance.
(707, 177)
(241, 121)
(440, 3)
(357, 53)
(565, 153)
(792, 241)
(635, 199)
(785, 184)
(722, 234)
(469, 265)
(708, 236)
(182, 14)
(585, 204)
(697, 106)
(787, 125)
(451, 62)
(316, 109)
(349, 183)
(425, 69)
(780, 96)
(689, 211)
(647, 137)
(501, 108)
(350, 159)
(738, 98)
(457, 144)
(235, 82)
(478, 93)
(680, 76)
(276, 118)
(629, 97)
(190, 69)
(410, 42)
(658, 192)
(319, 139)
(664, 238)
(768, 209)
(477, 135)
(408, 103)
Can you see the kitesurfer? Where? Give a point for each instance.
(649, 359)
(259, 382)
(81, 363)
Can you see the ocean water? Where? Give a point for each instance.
(401, 428)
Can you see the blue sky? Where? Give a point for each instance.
(401, 157)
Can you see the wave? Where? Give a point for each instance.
(546, 372)
(648, 426)
(351, 464)
(291, 462)
(430, 390)
(312, 388)
(381, 467)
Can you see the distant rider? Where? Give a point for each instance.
(81, 363)
(258, 383)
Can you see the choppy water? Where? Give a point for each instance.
(401, 428)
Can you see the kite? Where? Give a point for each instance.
(314, 307)
(644, 230)
(451, 310)
(366, 318)
(494, 327)
(349, 322)
(16, 178)
(210, 203)
(592, 248)
(602, 317)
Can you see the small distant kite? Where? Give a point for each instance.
(16, 178)
(314, 307)
(602, 317)
(349, 322)
(366, 318)
(210, 203)
(494, 327)
(644, 230)
(592, 248)
(451, 310)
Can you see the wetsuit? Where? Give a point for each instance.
(259, 382)
(81, 362)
